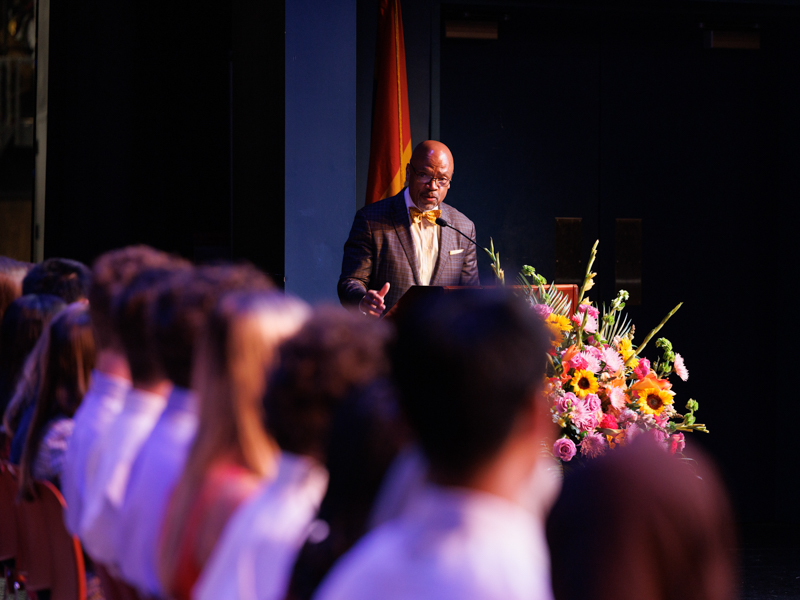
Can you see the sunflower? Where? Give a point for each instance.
(557, 324)
(584, 383)
(653, 400)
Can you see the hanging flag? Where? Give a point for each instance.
(390, 149)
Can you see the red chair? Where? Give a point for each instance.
(114, 588)
(8, 526)
(49, 558)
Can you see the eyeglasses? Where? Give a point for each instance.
(442, 182)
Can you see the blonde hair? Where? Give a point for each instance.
(233, 359)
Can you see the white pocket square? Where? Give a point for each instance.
(459, 251)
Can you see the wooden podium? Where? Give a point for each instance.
(417, 293)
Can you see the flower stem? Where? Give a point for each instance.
(652, 333)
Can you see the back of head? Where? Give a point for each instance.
(182, 306)
(66, 361)
(662, 527)
(23, 323)
(335, 354)
(62, 277)
(467, 365)
(111, 274)
(132, 313)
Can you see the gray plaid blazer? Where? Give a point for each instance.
(380, 249)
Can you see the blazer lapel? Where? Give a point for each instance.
(446, 244)
(401, 226)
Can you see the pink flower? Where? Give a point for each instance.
(676, 443)
(593, 312)
(592, 402)
(583, 418)
(542, 310)
(566, 402)
(593, 445)
(632, 431)
(564, 448)
(617, 398)
(657, 435)
(612, 359)
(642, 369)
(591, 318)
(578, 362)
(609, 422)
(680, 368)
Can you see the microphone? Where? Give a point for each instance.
(442, 223)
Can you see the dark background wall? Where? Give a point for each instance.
(166, 128)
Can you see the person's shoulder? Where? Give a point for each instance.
(372, 564)
(383, 207)
(454, 215)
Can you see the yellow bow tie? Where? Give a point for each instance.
(417, 215)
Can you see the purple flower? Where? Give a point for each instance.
(542, 310)
(564, 448)
(658, 435)
(593, 445)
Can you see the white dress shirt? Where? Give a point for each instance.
(451, 544)
(153, 476)
(99, 407)
(426, 243)
(116, 453)
(254, 557)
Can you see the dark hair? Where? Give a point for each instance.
(467, 365)
(62, 277)
(22, 324)
(333, 354)
(182, 306)
(111, 274)
(367, 433)
(644, 524)
(67, 360)
(132, 317)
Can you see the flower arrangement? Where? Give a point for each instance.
(602, 391)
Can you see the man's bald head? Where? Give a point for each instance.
(429, 148)
(430, 159)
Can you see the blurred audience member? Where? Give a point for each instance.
(62, 277)
(143, 404)
(68, 355)
(12, 273)
(111, 274)
(180, 311)
(22, 324)
(232, 453)
(321, 374)
(469, 368)
(640, 523)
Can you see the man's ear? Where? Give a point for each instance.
(408, 176)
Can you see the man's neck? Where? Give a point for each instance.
(505, 475)
(112, 363)
(159, 387)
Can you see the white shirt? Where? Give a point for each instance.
(451, 544)
(426, 243)
(116, 453)
(254, 557)
(100, 406)
(153, 476)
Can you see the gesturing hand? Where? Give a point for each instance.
(372, 302)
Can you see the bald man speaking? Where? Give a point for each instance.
(396, 243)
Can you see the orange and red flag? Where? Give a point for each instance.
(390, 149)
